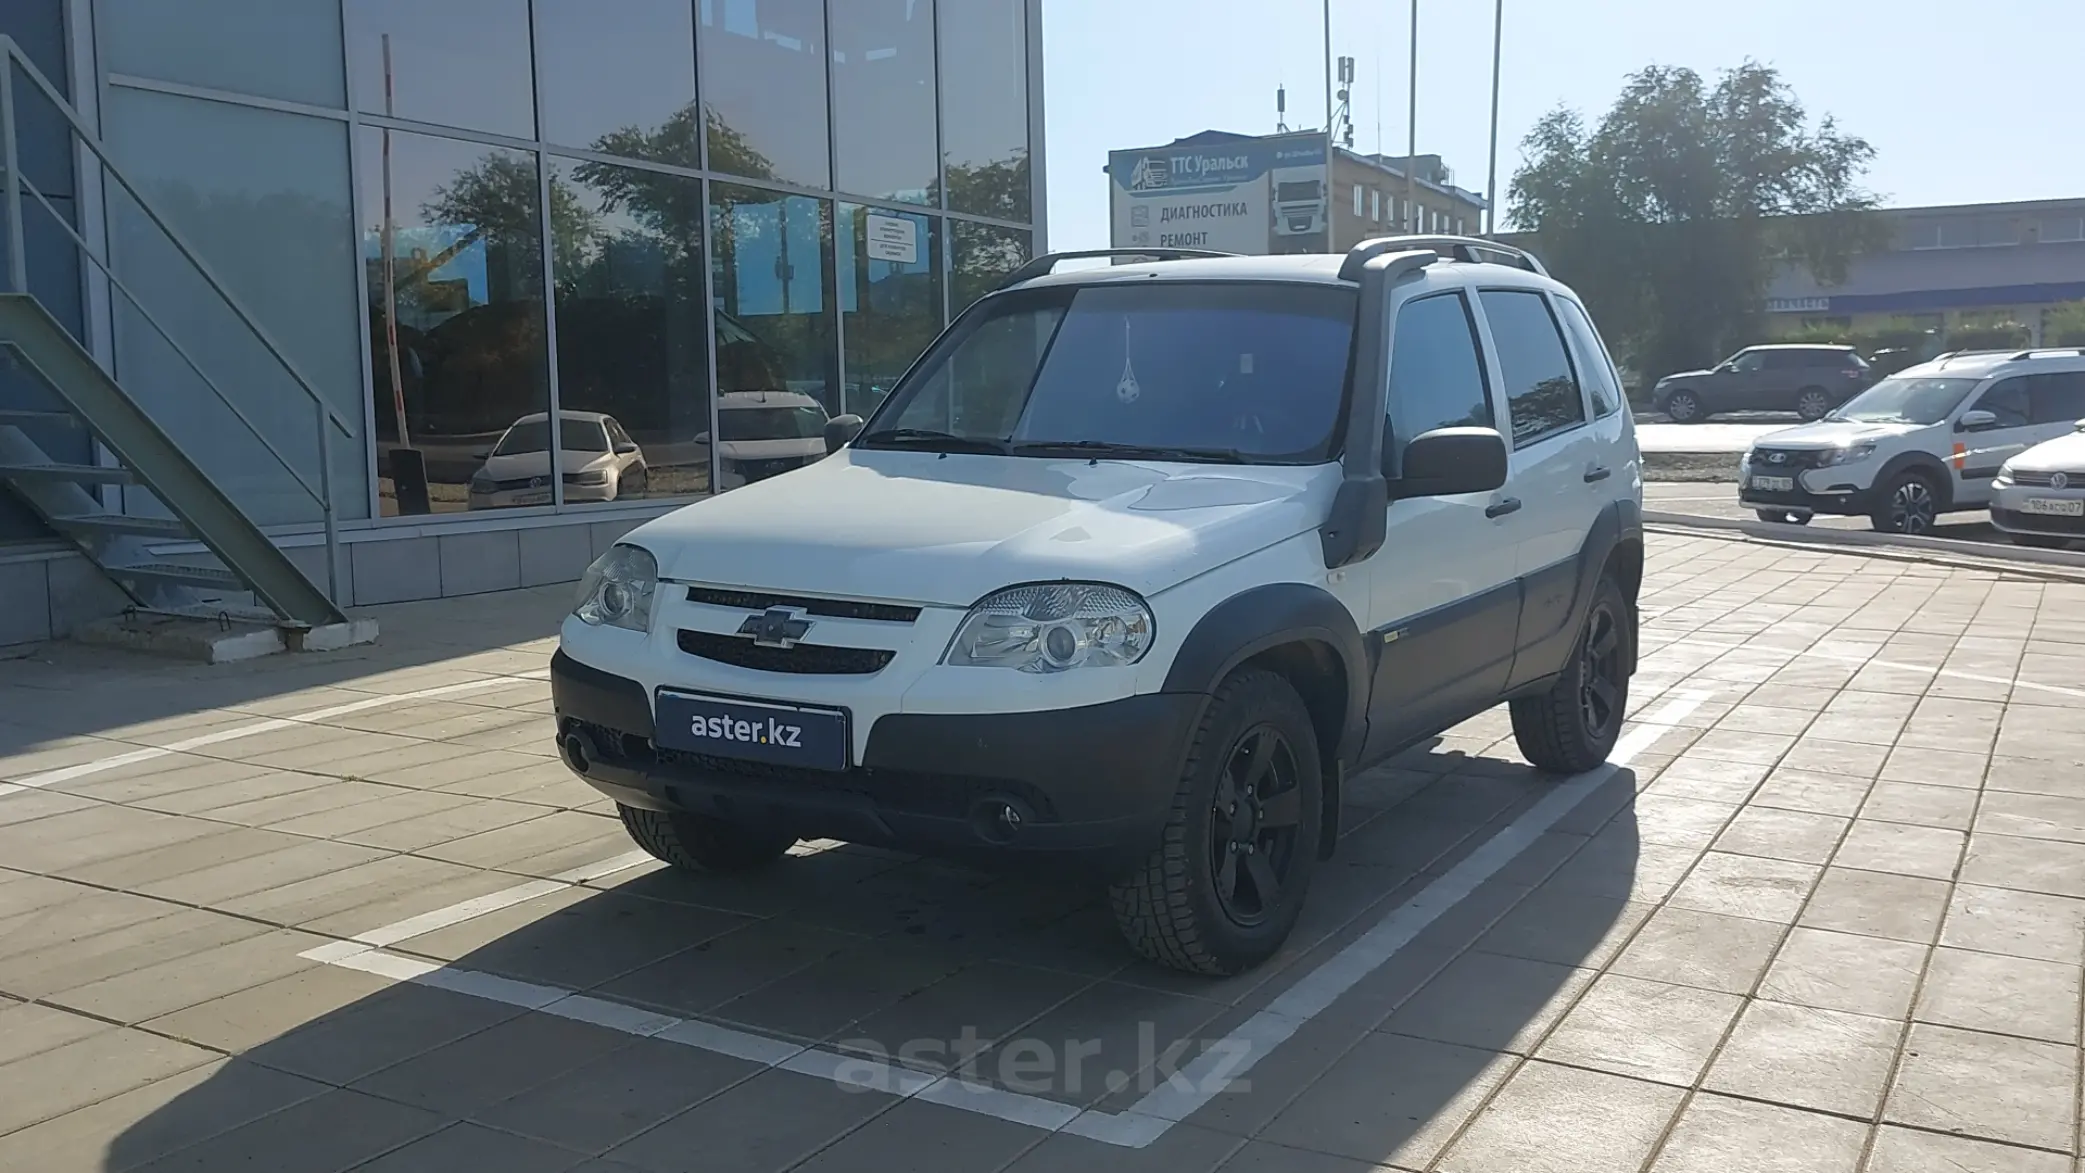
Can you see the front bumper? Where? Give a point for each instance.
(1830, 491)
(2008, 512)
(1094, 784)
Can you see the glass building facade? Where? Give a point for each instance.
(560, 256)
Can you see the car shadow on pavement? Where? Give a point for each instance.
(879, 961)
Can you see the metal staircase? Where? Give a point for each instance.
(151, 495)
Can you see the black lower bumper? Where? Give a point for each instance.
(1092, 784)
(1854, 503)
(2014, 521)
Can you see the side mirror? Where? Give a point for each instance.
(482, 454)
(841, 430)
(1976, 421)
(1447, 461)
(626, 448)
(701, 438)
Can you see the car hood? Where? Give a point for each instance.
(2063, 454)
(516, 465)
(1834, 434)
(1677, 376)
(926, 528)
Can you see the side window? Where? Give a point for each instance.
(1596, 366)
(2057, 398)
(1749, 361)
(2008, 401)
(1794, 360)
(1436, 377)
(1540, 387)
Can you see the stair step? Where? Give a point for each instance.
(92, 474)
(123, 523)
(12, 415)
(175, 572)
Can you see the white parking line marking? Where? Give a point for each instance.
(265, 725)
(1144, 1122)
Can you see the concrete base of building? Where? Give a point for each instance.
(210, 642)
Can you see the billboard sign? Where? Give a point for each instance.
(1255, 196)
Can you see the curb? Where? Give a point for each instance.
(2059, 565)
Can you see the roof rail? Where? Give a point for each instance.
(1046, 264)
(2049, 350)
(1468, 249)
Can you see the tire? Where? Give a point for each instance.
(1684, 407)
(1910, 504)
(1783, 516)
(2040, 541)
(704, 845)
(1572, 728)
(1811, 403)
(637, 486)
(1186, 906)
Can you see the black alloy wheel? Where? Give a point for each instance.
(1911, 507)
(1602, 684)
(1812, 404)
(1255, 815)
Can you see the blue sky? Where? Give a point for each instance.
(1961, 102)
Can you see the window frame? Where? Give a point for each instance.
(2024, 382)
(1394, 441)
(1585, 413)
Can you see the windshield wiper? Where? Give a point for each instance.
(1103, 448)
(932, 440)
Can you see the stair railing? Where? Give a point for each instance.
(14, 63)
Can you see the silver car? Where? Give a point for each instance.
(2039, 496)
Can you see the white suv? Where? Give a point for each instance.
(1925, 441)
(1131, 571)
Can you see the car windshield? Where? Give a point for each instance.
(770, 423)
(1905, 401)
(1159, 369)
(534, 436)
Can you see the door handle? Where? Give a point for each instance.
(1502, 508)
(1597, 474)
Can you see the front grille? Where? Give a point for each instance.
(927, 794)
(516, 486)
(2044, 480)
(1763, 459)
(826, 608)
(801, 660)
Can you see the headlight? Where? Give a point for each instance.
(1848, 455)
(1745, 461)
(597, 477)
(2005, 475)
(618, 588)
(1053, 628)
(483, 482)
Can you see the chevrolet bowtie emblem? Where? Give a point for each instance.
(776, 627)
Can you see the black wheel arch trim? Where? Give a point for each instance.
(1925, 462)
(1267, 617)
(1619, 524)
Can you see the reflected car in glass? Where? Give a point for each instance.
(596, 457)
(761, 434)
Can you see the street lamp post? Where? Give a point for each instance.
(1491, 181)
(1411, 159)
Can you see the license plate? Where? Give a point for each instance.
(2051, 507)
(1774, 484)
(779, 735)
(542, 498)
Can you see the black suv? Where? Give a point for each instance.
(1807, 380)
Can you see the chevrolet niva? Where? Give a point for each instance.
(1132, 571)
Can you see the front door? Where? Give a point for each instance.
(1445, 602)
(1977, 455)
(1740, 384)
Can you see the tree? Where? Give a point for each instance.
(1671, 215)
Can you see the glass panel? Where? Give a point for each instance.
(1250, 372)
(1540, 387)
(763, 89)
(776, 345)
(2008, 401)
(263, 197)
(454, 63)
(624, 86)
(466, 275)
(632, 345)
(984, 107)
(2057, 398)
(890, 292)
(1595, 365)
(1436, 378)
(983, 257)
(287, 49)
(883, 98)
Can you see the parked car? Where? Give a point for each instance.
(1926, 441)
(597, 458)
(1121, 578)
(2040, 494)
(761, 434)
(1807, 380)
